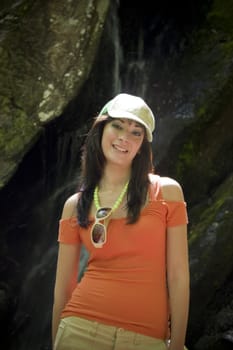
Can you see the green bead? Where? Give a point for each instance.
(118, 201)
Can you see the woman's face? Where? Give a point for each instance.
(121, 141)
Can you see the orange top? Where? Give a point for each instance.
(124, 284)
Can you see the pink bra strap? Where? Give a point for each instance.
(155, 188)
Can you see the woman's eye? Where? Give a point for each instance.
(117, 126)
(137, 133)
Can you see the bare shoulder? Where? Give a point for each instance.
(70, 206)
(171, 189)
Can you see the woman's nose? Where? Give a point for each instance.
(123, 135)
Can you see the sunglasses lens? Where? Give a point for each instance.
(98, 233)
(103, 213)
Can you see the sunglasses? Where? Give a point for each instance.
(99, 230)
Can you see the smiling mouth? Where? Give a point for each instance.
(120, 149)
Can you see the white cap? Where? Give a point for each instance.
(131, 107)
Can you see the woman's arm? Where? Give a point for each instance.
(177, 271)
(67, 270)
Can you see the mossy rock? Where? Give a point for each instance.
(211, 251)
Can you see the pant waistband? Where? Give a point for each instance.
(94, 327)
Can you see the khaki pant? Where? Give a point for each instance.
(76, 333)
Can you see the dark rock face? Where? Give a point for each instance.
(179, 58)
(211, 267)
(46, 53)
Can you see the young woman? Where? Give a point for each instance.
(134, 293)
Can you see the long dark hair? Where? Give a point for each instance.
(92, 166)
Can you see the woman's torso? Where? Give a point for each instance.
(125, 281)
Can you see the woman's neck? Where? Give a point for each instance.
(113, 178)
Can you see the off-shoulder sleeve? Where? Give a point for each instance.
(69, 231)
(177, 213)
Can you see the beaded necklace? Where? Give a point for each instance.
(117, 202)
